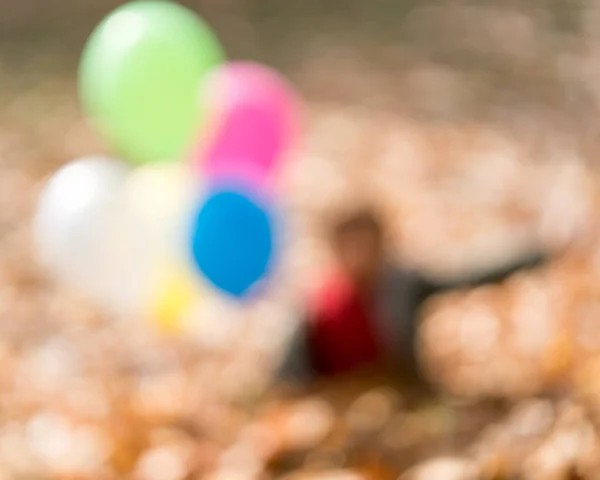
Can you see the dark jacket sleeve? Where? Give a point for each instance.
(524, 262)
(405, 292)
(295, 367)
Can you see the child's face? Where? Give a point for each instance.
(360, 254)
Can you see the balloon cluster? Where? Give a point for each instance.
(203, 139)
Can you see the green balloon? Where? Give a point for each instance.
(139, 78)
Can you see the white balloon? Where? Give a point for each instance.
(74, 221)
(110, 232)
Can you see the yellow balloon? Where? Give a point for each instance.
(177, 292)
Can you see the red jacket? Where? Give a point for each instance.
(342, 333)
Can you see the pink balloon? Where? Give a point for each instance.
(255, 115)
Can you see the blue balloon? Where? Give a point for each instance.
(232, 241)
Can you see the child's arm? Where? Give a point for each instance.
(296, 368)
(406, 291)
(523, 263)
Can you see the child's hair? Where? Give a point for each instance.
(362, 220)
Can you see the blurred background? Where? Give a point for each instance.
(471, 125)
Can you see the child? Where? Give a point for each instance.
(364, 315)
